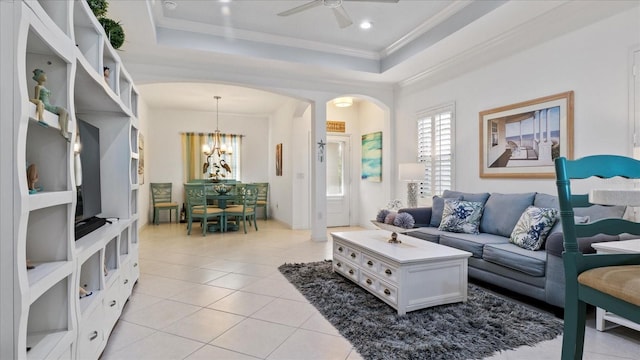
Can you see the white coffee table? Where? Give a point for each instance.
(408, 276)
(613, 247)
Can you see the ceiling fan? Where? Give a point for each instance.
(342, 17)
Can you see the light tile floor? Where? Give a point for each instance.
(222, 297)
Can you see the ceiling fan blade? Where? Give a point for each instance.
(342, 17)
(301, 8)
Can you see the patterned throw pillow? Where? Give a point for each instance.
(533, 227)
(461, 216)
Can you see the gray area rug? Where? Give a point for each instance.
(483, 325)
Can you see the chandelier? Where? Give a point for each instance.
(216, 150)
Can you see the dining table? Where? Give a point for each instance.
(222, 201)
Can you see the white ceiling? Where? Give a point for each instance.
(410, 39)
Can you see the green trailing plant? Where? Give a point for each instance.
(99, 7)
(114, 31)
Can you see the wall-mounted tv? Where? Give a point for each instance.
(89, 195)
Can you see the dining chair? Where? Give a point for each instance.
(245, 212)
(263, 198)
(197, 207)
(161, 197)
(608, 281)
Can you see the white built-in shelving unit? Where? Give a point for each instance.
(43, 316)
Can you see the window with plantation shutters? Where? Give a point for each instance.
(435, 149)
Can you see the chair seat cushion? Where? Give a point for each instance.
(199, 210)
(166, 204)
(622, 282)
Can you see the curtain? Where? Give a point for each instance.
(193, 159)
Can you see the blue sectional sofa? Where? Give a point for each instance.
(495, 260)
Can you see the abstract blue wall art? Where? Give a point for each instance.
(372, 157)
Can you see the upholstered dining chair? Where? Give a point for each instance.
(247, 211)
(161, 197)
(198, 209)
(263, 198)
(608, 281)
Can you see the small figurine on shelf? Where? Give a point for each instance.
(106, 72)
(42, 95)
(32, 178)
(30, 265)
(84, 293)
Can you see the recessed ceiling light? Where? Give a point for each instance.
(225, 1)
(365, 25)
(171, 5)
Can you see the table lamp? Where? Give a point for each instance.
(412, 173)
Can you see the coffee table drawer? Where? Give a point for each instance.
(347, 252)
(370, 263)
(346, 269)
(340, 249)
(388, 292)
(388, 272)
(369, 281)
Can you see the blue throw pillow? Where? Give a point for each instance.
(461, 216)
(436, 209)
(532, 228)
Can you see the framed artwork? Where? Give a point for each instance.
(372, 157)
(522, 140)
(140, 159)
(279, 159)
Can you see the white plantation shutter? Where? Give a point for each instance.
(435, 149)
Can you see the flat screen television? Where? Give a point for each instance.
(89, 196)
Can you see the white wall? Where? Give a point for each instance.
(163, 153)
(594, 62)
(301, 182)
(281, 132)
(373, 195)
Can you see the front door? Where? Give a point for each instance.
(338, 181)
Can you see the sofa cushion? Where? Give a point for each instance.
(436, 209)
(461, 216)
(546, 201)
(597, 212)
(470, 242)
(421, 215)
(475, 197)
(514, 257)
(502, 211)
(591, 214)
(555, 246)
(533, 227)
(427, 233)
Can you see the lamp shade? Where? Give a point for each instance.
(411, 172)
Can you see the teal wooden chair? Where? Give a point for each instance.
(161, 197)
(246, 212)
(263, 198)
(603, 280)
(198, 209)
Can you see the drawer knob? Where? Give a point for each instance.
(340, 249)
(370, 263)
(135, 264)
(339, 265)
(369, 281)
(351, 272)
(388, 272)
(126, 281)
(387, 292)
(112, 303)
(353, 255)
(93, 336)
